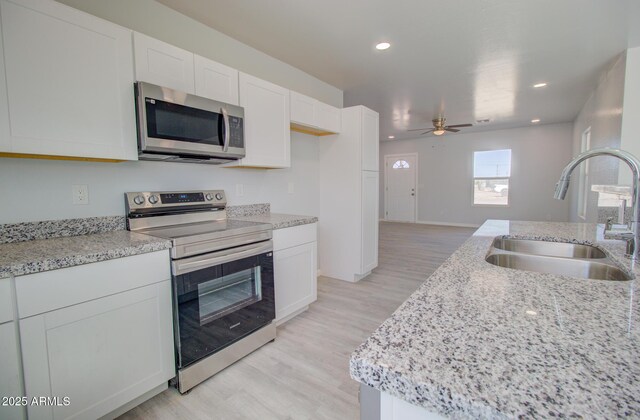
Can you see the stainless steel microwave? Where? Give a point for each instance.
(179, 127)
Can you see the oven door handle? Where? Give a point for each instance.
(227, 129)
(216, 258)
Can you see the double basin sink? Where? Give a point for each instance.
(559, 258)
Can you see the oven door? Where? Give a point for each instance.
(221, 297)
(173, 122)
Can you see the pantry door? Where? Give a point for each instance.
(400, 198)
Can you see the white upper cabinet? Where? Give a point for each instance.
(328, 117)
(303, 109)
(266, 123)
(163, 64)
(69, 83)
(216, 81)
(308, 115)
(370, 140)
(167, 65)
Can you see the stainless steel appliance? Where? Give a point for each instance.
(222, 269)
(178, 127)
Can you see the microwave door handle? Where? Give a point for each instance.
(225, 117)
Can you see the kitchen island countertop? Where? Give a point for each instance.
(480, 341)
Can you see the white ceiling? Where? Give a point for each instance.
(466, 59)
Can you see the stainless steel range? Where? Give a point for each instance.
(222, 269)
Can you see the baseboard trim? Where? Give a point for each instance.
(469, 225)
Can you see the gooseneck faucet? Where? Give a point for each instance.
(563, 185)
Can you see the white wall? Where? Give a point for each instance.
(630, 131)
(161, 22)
(603, 113)
(34, 190)
(445, 190)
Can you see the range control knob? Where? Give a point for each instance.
(208, 196)
(153, 199)
(138, 199)
(218, 196)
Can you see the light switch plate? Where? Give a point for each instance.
(290, 188)
(239, 190)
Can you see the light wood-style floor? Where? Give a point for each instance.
(304, 374)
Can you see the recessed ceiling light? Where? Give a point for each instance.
(392, 137)
(539, 85)
(535, 120)
(383, 46)
(483, 121)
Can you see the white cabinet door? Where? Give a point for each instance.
(163, 64)
(295, 278)
(216, 81)
(10, 382)
(370, 140)
(370, 191)
(329, 118)
(101, 354)
(303, 109)
(266, 123)
(69, 78)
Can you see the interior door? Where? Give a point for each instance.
(400, 182)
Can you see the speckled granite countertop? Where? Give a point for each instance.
(480, 341)
(279, 220)
(34, 256)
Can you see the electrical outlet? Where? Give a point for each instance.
(239, 190)
(290, 188)
(80, 194)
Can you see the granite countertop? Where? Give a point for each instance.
(19, 258)
(279, 220)
(480, 341)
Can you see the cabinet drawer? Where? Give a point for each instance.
(6, 302)
(294, 236)
(50, 290)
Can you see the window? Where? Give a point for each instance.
(401, 164)
(491, 173)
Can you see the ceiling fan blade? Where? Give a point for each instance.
(453, 130)
(418, 129)
(426, 132)
(460, 125)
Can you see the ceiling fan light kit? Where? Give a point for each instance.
(439, 127)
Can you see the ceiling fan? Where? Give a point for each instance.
(439, 127)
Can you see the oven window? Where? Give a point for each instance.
(166, 120)
(226, 294)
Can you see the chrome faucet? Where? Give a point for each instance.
(633, 247)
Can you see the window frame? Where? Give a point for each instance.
(489, 178)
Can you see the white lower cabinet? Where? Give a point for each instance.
(295, 269)
(11, 407)
(101, 353)
(10, 383)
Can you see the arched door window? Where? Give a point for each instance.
(401, 164)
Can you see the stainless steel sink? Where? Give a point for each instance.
(551, 249)
(559, 258)
(589, 269)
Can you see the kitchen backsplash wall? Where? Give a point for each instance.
(35, 190)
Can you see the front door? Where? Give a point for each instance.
(400, 185)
